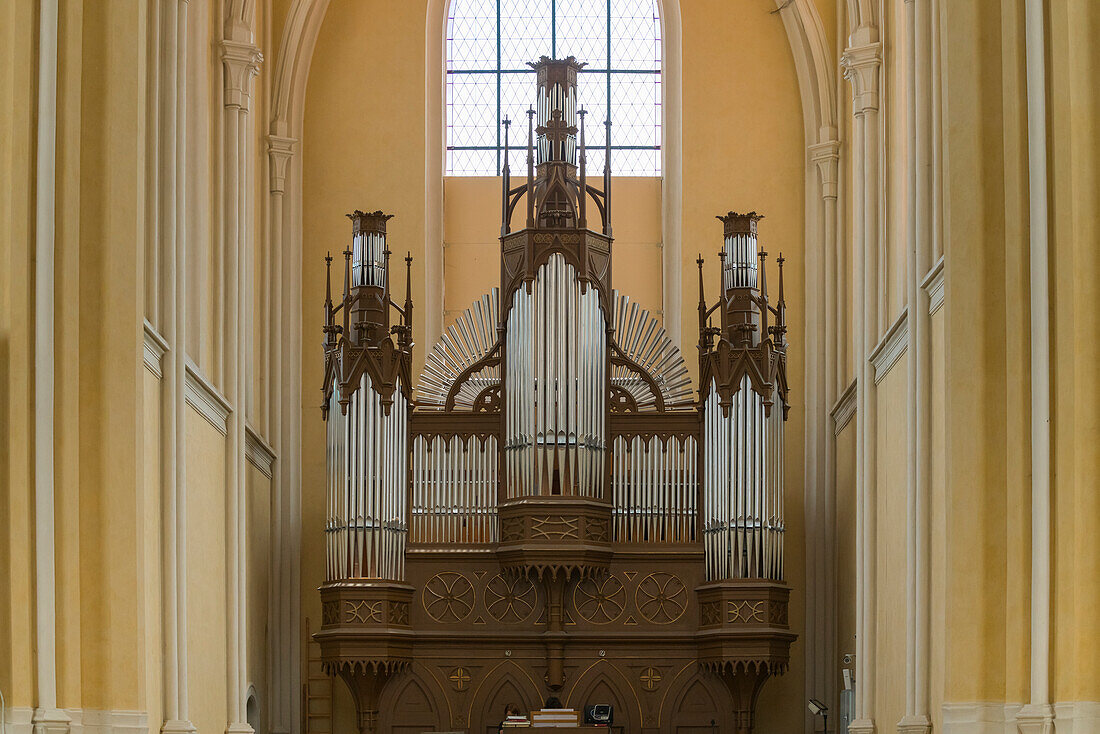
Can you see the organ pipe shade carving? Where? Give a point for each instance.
(472, 336)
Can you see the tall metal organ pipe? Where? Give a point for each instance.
(743, 418)
(367, 424)
(556, 372)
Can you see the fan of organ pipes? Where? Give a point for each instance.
(641, 338)
(637, 332)
(467, 340)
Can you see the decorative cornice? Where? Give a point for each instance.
(889, 350)
(242, 63)
(258, 452)
(826, 156)
(205, 398)
(845, 409)
(155, 349)
(933, 287)
(861, 66)
(280, 150)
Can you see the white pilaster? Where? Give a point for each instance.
(283, 560)
(48, 719)
(1037, 717)
(862, 65)
(241, 62)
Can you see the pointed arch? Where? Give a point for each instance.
(694, 699)
(506, 682)
(605, 673)
(412, 700)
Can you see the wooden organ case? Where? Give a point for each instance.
(554, 512)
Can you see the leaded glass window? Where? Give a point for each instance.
(489, 43)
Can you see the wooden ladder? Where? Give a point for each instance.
(317, 691)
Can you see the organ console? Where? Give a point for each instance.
(555, 511)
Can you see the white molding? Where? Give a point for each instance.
(890, 348)
(205, 398)
(845, 408)
(155, 349)
(980, 717)
(258, 452)
(994, 717)
(1077, 717)
(933, 285)
(18, 720)
(91, 721)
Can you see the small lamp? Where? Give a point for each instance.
(817, 708)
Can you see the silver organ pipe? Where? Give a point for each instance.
(367, 464)
(740, 261)
(654, 489)
(556, 375)
(454, 486)
(743, 479)
(368, 260)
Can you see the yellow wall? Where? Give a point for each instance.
(890, 510)
(471, 231)
(206, 566)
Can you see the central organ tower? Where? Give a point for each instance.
(554, 511)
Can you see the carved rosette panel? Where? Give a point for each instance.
(599, 600)
(448, 597)
(661, 598)
(509, 599)
(650, 678)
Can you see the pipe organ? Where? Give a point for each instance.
(555, 502)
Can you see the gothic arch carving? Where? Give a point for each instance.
(410, 700)
(505, 683)
(693, 701)
(604, 674)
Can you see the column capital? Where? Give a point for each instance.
(861, 66)
(826, 157)
(242, 63)
(279, 150)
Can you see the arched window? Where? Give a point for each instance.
(489, 43)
